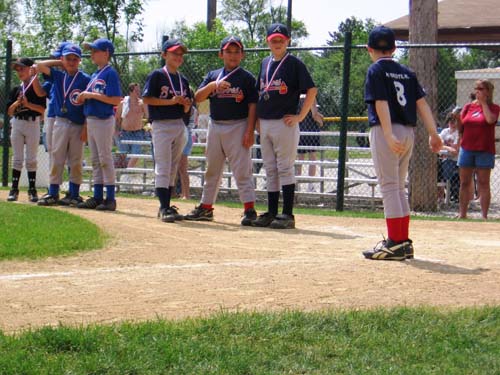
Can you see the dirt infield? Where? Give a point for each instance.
(152, 269)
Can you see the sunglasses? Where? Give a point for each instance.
(480, 88)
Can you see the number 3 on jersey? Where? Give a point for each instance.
(400, 93)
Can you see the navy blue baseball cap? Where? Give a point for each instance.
(102, 44)
(71, 49)
(277, 29)
(23, 61)
(382, 38)
(173, 44)
(228, 40)
(58, 51)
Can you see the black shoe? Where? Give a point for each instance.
(32, 195)
(200, 214)
(48, 200)
(170, 215)
(70, 201)
(107, 205)
(90, 203)
(13, 195)
(248, 216)
(409, 249)
(263, 220)
(283, 221)
(387, 250)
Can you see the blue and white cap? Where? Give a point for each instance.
(72, 49)
(58, 51)
(102, 44)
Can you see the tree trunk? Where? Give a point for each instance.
(423, 164)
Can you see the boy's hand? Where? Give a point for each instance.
(291, 120)
(80, 99)
(435, 142)
(394, 144)
(248, 139)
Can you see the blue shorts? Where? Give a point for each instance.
(475, 159)
(137, 135)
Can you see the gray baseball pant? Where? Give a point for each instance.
(100, 138)
(169, 138)
(279, 144)
(224, 140)
(66, 146)
(392, 168)
(49, 128)
(25, 132)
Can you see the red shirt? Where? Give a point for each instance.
(478, 134)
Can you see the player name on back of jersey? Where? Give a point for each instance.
(397, 75)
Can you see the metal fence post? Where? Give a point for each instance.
(8, 77)
(343, 121)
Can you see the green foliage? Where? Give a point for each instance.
(25, 232)
(395, 341)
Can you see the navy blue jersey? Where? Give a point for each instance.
(232, 103)
(282, 96)
(104, 81)
(68, 107)
(395, 83)
(158, 86)
(32, 98)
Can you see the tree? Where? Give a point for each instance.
(423, 166)
(255, 17)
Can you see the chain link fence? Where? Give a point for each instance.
(317, 164)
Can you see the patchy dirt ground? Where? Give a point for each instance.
(152, 269)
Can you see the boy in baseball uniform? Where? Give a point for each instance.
(282, 78)
(67, 138)
(233, 97)
(25, 106)
(394, 97)
(101, 95)
(168, 97)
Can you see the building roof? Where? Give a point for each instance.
(460, 21)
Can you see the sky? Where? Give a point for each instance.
(319, 16)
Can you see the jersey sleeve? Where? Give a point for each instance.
(208, 78)
(375, 88)
(151, 87)
(113, 84)
(252, 94)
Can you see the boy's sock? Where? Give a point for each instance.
(248, 205)
(206, 206)
(273, 198)
(405, 227)
(99, 192)
(54, 190)
(110, 193)
(16, 175)
(163, 195)
(394, 229)
(288, 197)
(32, 180)
(74, 190)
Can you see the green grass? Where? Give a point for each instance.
(397, 341)
(31, 232)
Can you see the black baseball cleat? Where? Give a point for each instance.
(283, 221)
(170, 215)
(409, 249)
(48, 200)
(387, 250)
(248, 216)
(200, 214)
(90, 203)
(13, 195)
(263, 220)
(107, 205)
(68, 200)
(33, 195)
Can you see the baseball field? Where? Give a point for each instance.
(150, 270)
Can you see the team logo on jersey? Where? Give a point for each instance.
(99, 86)
(232, 93)
(165, 91)
(73, 96)
(277, 85)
